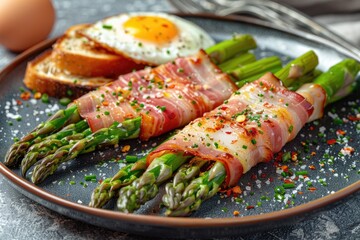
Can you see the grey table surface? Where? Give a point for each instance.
(21, 218)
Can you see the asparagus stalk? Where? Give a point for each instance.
(307, 61)
(309, 77)
(237, 61)
(180, 181)
(108, 188)
(269, 64)
(297, 68)
(106, 136)
(227, 49)
(143, 189)
(56, 122)
(339, 80)
(200, 189)
(49, 147)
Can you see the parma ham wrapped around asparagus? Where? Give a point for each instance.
(256, 122)
(165, 97)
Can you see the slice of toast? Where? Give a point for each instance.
(81, 56)
(43, 75)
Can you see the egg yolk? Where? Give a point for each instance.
(150, 28)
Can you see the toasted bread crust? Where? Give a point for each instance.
(43, 76)
(80, 56)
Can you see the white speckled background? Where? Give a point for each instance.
(21, 218)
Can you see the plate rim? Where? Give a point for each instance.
(187, 222)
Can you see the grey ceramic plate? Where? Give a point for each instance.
(335, 178)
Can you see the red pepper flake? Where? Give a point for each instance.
(100, 181)
(312, 167)
(285, 168)
(25, 96)
(271, 179)
(311, 128)
(263, 175)
(18, 102)
(236, 191)
(129, 116)
(228, 132)
(300, 192)
(250, 207)
(331, 141)
(253, 176)
(312, 189)
(288, 181)
(340, 132)
(354, 118)
(236, 213)
(278, 157)
(126, 148)
(313, 153)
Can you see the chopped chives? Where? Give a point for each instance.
(298, 173)
(90, 177)
(131, 158)
(64, 101)
(288, 185)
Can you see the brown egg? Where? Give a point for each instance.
(24, 23)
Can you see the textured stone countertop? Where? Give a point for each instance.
(21, 218)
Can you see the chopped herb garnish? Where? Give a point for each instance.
(64, 101)
(291, 128)
(89, 177)
(45, 98)
(108, 27)
(131, 158)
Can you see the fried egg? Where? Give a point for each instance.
(150, 38)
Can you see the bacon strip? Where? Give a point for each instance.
(257, 121)
(166, 97)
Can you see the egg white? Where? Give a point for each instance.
(190, 39)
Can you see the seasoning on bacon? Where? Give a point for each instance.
(166, 97)
(256, 122)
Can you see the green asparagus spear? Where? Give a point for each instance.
(227, 49)
(261, 66)
(287, 75)
(48, 147)
(110, 186)
(298, 67)
(143, 189)
(309, 77)
(107, 136)
(181, 180)
(237, 61)
(56, 122)
(339, 80)
(200, 189)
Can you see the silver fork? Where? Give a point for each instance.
(273, 12)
